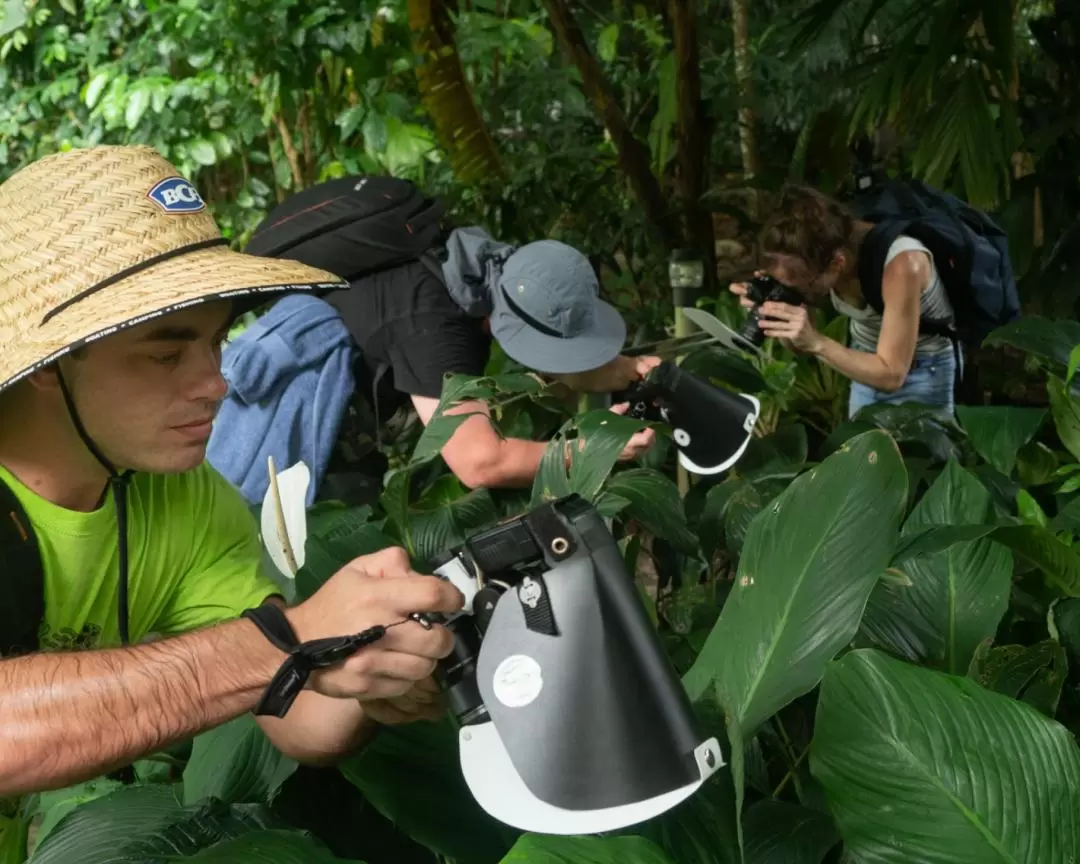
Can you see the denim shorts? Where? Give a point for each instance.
(930, 382)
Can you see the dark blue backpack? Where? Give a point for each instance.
(971, 254)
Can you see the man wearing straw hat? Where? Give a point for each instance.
(116, 288)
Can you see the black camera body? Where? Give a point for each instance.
(762, 289)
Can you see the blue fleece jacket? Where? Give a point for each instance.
(290, 380)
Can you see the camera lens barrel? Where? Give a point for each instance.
(456, 673)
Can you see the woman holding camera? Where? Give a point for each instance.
(812, 244)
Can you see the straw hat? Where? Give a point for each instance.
(98, 239)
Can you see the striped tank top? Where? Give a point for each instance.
(865, 326)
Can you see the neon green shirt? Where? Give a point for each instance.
(194, 559)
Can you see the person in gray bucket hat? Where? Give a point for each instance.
(437, 306)
(546, 309)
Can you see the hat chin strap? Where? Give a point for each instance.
(119, 482)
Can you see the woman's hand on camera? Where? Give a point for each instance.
(739, 289)
(792, 324)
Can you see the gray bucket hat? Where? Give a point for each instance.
(547, 313)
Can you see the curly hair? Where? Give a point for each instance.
(807, 225)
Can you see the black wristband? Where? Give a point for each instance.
(303, 657)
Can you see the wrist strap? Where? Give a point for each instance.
(303, 657)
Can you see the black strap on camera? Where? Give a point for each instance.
(304, 657)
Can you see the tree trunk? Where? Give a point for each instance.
(692, 137)
(447, 96)
(744, 78)
(633, 155)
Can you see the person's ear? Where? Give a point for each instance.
(44, 380)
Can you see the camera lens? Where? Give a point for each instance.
(751, 330)
(456, 673)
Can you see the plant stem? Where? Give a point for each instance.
(793, 762)
(791, 773)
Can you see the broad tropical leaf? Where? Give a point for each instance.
(269, 847)
(1059, 562)
(923, 766)
(442, 519)
(54, 805)
(1063, 622)
(999, 433)
(341, 535)
(781, 833)
(412, 775)
(137, 824)
(1031, 673)
(653, 500)
(1052, 340)
(13, 836)
(548, 849)
(808, 566)
(1066, 410)
(236, 763)
(957, 595)
(595, 440)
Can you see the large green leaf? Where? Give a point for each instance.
(957, 595)
(236, 763)
(548, 849)
(342, 536)
(595, 440)
(412, 775)
(1064, 625)
(54, 805)
(441, 521)
(998, 433)
(923, 766)
(140, 824)
(1031, 673)
(808, 566)
(1059, 562)
(781, 833)
(654, 502)
(1066, 410)
(269, 847)
(1052, 340)
(13, 837)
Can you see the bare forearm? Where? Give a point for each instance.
(69, 717)
(861, 366)
(515, 465)
(320, 730)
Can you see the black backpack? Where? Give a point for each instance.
(23, 608)
(352, 226)
(971, 254)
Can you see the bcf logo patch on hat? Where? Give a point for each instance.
(176, 195)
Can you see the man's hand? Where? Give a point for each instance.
(792, 324)
(425, 701)
(640, 443)
(378, 589)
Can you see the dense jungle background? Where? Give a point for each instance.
(879, 617)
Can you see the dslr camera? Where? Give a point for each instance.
(759, 290)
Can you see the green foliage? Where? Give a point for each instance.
(921, 765)
(827, 604)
